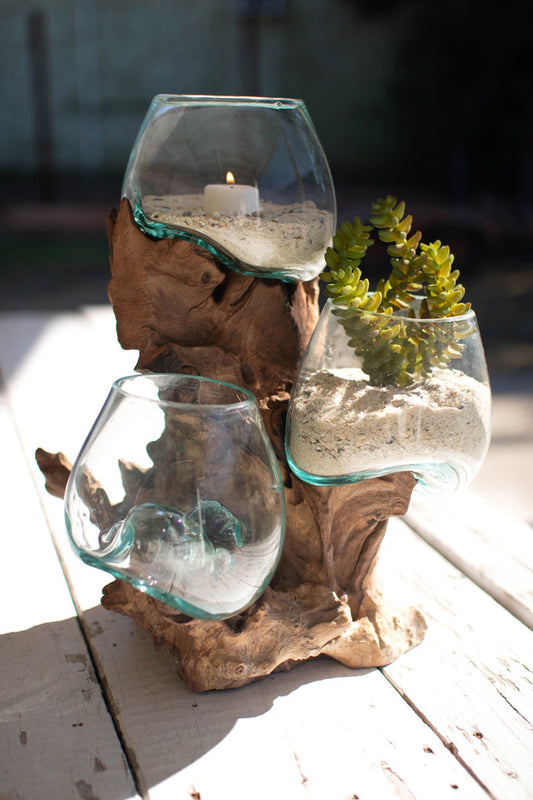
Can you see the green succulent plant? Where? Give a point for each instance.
(386, 326)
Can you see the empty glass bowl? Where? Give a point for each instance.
(244, 177)
(177, 490)
(377, 394)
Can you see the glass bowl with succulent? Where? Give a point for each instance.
(393, 379)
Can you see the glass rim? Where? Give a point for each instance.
(248, 400)
(468, 316)
(214, 99)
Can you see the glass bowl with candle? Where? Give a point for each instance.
(244, 177)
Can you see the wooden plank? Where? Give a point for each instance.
(301, 721)
(57, 359)
(57, 737)
(53, 357)
(507, 471)
(279, 738)
(147, 699)
(471, 678)
(490, 546)
(320, 731)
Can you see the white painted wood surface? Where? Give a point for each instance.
(58, 738)
(471, 679)
(450, 719)
(492, 547)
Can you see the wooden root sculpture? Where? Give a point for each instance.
(186, 313)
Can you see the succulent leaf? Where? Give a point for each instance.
(389, 354)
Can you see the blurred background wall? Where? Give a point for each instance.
(430, 100)
(427, 100)
(436, 94)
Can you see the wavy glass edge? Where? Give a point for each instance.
(159, 230)
(300, 270)
(441, 476)
(437, 478)
(109, 561)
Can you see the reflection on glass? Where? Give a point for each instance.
(244, 177)
(177, 491)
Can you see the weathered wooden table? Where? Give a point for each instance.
(89, 709)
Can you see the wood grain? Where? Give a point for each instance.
(450, 719)
(187, 313)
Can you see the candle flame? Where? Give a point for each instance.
(229, 177)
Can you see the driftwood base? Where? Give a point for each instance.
(281, 630)
(338, 611)
(186, 313)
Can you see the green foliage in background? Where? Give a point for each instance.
(386, 327)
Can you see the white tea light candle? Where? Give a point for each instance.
(230, 198)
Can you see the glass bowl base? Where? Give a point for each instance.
(160, 230)
(432, 478)
(172, 600)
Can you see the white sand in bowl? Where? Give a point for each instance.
(279, 237)
(340, 424)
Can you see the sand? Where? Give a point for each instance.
(340, 424)
(291, 237)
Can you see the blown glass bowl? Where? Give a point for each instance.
(177, 491)
(377, 394)
(244, 177)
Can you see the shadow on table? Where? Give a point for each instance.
(169, 734)
(51, 714)
(167, 726)
(164, 727)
